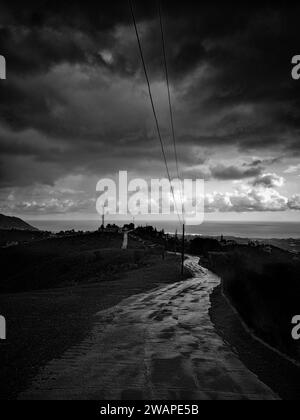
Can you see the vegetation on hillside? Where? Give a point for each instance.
(68, 260)
(262, 283)
(7, 223)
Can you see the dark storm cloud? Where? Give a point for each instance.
(229, 36)
(75, 100)
(227, 173)
(262, 162)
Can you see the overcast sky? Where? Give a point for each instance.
(75, 107)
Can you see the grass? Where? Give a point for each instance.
(279, 374)
(65, 261)
(21, 236)
(265, 289)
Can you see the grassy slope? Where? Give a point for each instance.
(276, 372)
(265, 289)
(21, 236)
(65, 261)
(7, 222)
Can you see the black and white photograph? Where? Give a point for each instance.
(149, 203)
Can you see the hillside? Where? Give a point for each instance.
(78, 259)
(263, 285)
(9, 223)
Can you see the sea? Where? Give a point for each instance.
(263, 230)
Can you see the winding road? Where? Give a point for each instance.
(157, 345)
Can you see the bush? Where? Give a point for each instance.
(202, 246)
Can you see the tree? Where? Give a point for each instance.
(202, 246)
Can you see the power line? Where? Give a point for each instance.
(173, 133)
(152, 105)
(169, 98)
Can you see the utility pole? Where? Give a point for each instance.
(183, 250)
(103, 218)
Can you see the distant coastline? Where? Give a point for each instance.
(251, 230)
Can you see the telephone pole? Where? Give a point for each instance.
(103, 218)
(183, 250)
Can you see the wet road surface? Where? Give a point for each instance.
(157, 345)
